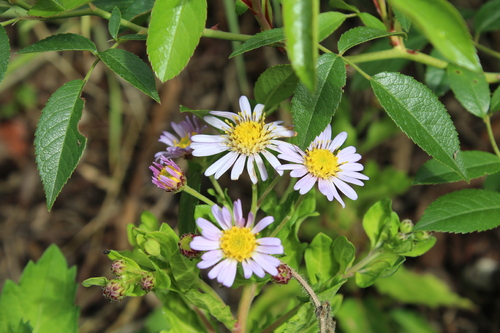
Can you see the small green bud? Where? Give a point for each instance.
(406, 226)
(422, 235)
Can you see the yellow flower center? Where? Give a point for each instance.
(248, 137)
(183, 142)
(321, 163)
(238, 243)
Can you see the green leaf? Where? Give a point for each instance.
(214, 306)
(301, 31)
(445, 28)
(344, 253)
(477, 163)
(418, 112)
(114, 22)
(45, 295)
(258, 40)
(47, 8)
(383, 266)
(188, 203)
(487, 17)
(380, 222)
(319, 259)
(495, 100)
(132, 69)
(275, 85)
(341, 4)
(129, 8)
(312, 111)
(304, 321)
(328, 22)
(4, 52)
(149, 222)
(437, 78)
(425, 289)
(58, 143)
(371, 21)
(174, 32)
(462, 211)
(61, 42)
(471, 89)
(410, 321)
(95, 281)
(360, 35)
(133, 37)
(180, 317)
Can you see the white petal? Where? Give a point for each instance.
(305, 184)
(245, 106)
(262, 224)
(204, 138)
(267, 262)
(207, 149)
(251, 170)
(221, 165)
(346, 189)
(228, 273)
(299, 172)
(225, 114)
(351, 167)
(238, 168)
(261, 167)
(257, 112)
(216, 122)
(338, 141)
(329, 187)
(273, 161)
(350, 180)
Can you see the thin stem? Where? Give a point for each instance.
(359, 70)
(288, 217)
(21, 4)
(491, 136)
(281, 320)
(267, 191)
(244, 306)
(219, 191)
(254, 200)
(306, 286)
(397, 53)
(87, 76)
(211, 33)
(198, 195)
(487, 50)
(352, 270)
(11, 21)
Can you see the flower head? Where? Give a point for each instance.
(236, 243)
(246, 137)
(325, 164)
(180, 146)
(167, 175)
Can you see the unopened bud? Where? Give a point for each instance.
(118, 267)
(284, 274)
(148, 281)
(167, 175)
(152, 247)
(185, 246)
(422, 235)
(114, 290)
(406, 226)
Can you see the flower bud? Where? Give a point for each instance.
(422, 235)
(167, 175)
(406, 226)
(114, 290)
(185, 246)
(148, 282)
(152, 247)
(118, 267)
(284, 274)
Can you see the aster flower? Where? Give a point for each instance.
(325, 164)
(236, 243)
(180, 146)
(167, 175)
(246, 137)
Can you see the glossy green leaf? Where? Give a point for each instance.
(425, 289)
(304, 321)
(328, 22)
(383, 266)
(445, 28)
(61, 42)
(462, 211)
(403, 20)
(360, 35)
(276, 84)
(487, 17)
(437, 78)
(418, 112)
(477, 164)
(344, 252)
(312, 111)
(132, 69)
(114, 22)
(495, 100)
(174, 32)
(4, 52)
(179, 316)
(320, 259)
(258, 40)
(471, 89)
(380, 222)
(301, 31)
(213, 305)
(47, 8)
(341, 4)
(58, 143)
(44, 295)
(129, 8)
(371, 21)
(133, 37)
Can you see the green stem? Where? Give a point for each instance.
(491, 135)
(253, 209)
(359, 70)
(198, 195)
(397, 53)
(287, 218)
(11, 21)
(220, 192)
(267, 191)
(244, 306)
(21, 4)
(87, 76)
(281, 320)
(366, 260)
(211, 33)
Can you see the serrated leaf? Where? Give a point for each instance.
(47, 8)
(445, 28)
(58, 143)
(341, 4)
(477, 164)
(403, 20)
(471, 89)
(258, 40)
(312, 111)
(437, 78)
(4, 52)
(275, 85)
(61, 42)
(114, 22)
(133, 37)
(45, 295)
(495, 100)
(462, 211)
(359, 35)
(132, 69)
(328, 22)
(371, 21)
(426, 289)
(128, 8)
(301, 31)
(174, 32)
(214, 306)
(418, 112)
(487, 17)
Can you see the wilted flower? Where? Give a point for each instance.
(180, 145)
(284, 274)
(246, 136)
(324, 163)
(185, 247)
(167, 175)
(236, 243)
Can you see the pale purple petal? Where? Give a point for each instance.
(338, 141)
(354, 175)
(238, 214)
(210, 258)
(247, 269)
(214, 272)
(344, 188)
(209, 230)
(228, 273)
(299, 172)
(269, 241)
(275, 249)
(238, 167)
(201, 243)
(255, 268)
(325, 187)
(262, 224)
(351, 167)
(350, 180)
(305, 184)
(267, 262)
(226, 218)
(250, 220)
